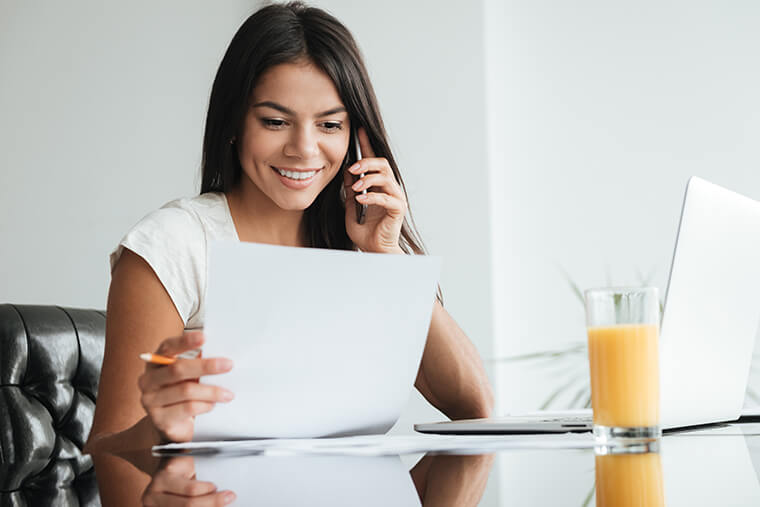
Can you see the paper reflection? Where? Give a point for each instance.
(441, 480)
(629, 480)
(283, 480)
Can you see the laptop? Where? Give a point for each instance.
(709, 323)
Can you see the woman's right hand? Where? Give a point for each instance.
(172, 395)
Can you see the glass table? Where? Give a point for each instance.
(709, 466)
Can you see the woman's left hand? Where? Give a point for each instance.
(385, 200)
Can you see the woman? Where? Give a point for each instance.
(290, 96)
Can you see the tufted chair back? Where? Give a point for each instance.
(50, 360)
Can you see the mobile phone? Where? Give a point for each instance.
(361, 209)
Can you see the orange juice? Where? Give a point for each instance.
(625, 390)
(629, 480)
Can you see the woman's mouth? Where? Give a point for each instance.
(295, 178)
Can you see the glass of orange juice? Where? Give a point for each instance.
(623, 328)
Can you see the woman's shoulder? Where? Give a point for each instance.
(173, 241)
(188, 218)
(186, 223)
(203, 210)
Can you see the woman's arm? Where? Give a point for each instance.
(451, 376)
(452, 480)
(138, 405)
(140, 315)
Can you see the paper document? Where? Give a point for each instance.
(384, 445)
(325, 342)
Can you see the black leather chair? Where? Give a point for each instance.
(50, 359)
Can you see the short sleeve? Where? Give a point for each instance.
(172, 241)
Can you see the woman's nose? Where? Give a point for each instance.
(302, 144)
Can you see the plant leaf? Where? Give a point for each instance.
(583, 392)
(574, 286)
(587, 501)
(571, 349)
(560, 390)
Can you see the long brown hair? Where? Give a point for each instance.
(286, 33)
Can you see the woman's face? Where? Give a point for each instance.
(295, 134)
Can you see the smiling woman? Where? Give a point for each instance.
(290, 99)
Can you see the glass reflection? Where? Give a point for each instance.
(629, 480)
(294, 480)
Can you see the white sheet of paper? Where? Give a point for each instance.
(335, 481)
(385, 445)
(325, 342)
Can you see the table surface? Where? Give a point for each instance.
(711, 466)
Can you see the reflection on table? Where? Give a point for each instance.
(705, 467)
(299, 480)
(716, 466)
(629, 480)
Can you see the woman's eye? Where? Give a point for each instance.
(332, 126)
(273, 123)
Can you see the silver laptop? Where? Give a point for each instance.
(707, 336)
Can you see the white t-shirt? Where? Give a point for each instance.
(173, 240)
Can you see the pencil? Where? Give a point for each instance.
(157, 359)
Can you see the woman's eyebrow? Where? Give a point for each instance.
(339, 109)
(283, 109)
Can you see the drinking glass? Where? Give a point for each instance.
(623, 329)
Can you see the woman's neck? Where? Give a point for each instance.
(258, 219)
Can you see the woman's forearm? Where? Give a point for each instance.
(452, 376)
(142, 435)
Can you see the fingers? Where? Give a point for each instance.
(180, 411)
(174, 484)
(378, 181)
(175, 423)
(382, 189)
(372, 165)
(177, 345)
(186, 391)
(184, 369)
(183, 466)
(179, 484)
(216, 499)
(394, 206)
(364, 143)
(347, 182)
(172, 396)
(175, 477)
(379, 176)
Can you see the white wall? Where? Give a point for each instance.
(103, 109)
(606, 110)
(102, 120)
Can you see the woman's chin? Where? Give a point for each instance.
(296, 204)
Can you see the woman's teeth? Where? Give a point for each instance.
(297, 175)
